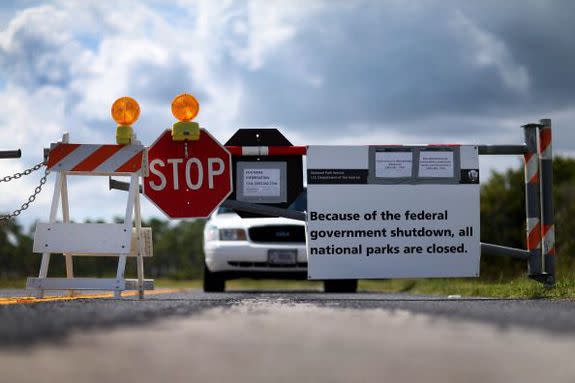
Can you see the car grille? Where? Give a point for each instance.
(277, 234)
(265, 264)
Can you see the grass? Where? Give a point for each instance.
(515, 288)
(12, 283)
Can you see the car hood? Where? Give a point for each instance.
(235, 221)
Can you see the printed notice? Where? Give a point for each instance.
(393, 164)
(436, 164)
(402, 227)
(262, 182)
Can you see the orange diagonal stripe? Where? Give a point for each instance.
(545, 139)
(133, 164)
(59, 152)
(97, 158)
(534, 237)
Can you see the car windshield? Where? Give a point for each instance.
(300, 204)
(224, 210)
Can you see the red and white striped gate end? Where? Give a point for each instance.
(267, 150)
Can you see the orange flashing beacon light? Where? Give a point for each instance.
(125, 111)
(185, 107)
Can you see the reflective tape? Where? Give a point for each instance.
(549, 239)
(254, 151)
(531, 168)
(545, 145)
(533, 233)
(267, 150)
(97, 158)
(89, 158)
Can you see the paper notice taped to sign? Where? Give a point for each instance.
(393, 164)
(436, 164)
(261, 182)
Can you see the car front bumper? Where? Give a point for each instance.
(251, 259)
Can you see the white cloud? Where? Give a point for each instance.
(487, 50)
(509, 132)
(63, 64)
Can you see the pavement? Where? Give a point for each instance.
(295, 336)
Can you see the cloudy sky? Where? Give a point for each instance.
(325, 72)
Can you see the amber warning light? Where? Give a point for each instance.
(125, 111)
(185, 107)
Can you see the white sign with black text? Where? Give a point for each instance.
(261, 182)
(436, 164)
(393, 164)
(358, 228)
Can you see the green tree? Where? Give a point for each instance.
(178, 251)
(503, 217)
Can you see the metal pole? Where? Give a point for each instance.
(264, 209)
(302, 150)
(532, 202)
(10, 153)
(547, 213)
(504, 251)
(502, 149)
(140, 257)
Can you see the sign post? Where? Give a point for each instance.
(393, 212)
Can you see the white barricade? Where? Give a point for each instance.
(93, 239)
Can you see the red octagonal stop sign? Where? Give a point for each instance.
(188, 179)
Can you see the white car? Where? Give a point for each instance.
(260, 248)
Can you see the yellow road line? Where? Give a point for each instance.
(26, 300)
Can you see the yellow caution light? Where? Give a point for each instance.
(185, 107)
(125, 111)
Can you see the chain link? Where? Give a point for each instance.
(32, 198)
(23, 173)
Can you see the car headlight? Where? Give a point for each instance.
(212, 233)
(232, 235)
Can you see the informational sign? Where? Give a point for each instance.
(261, 182)
(188, 179)
(271, 179)
(436, 163)
(393, 164)
(362, 223)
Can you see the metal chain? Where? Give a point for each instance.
(32, 198)
(23, 173)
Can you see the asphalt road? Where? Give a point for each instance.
(288, 337)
